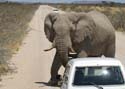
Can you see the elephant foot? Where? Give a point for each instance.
(52, 82)
(55, 82)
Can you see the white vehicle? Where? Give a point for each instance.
(94, 73)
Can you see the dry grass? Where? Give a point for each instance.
(116, 14)
(14, 19)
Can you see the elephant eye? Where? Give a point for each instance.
(88, 27)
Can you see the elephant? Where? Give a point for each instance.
(88, 34)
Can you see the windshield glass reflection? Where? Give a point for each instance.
(98, 75)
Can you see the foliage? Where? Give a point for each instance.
(116, 14)
(14, 20)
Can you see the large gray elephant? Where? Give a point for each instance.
(86, 34)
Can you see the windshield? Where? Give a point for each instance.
(98, 75)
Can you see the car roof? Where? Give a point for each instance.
(94, 61)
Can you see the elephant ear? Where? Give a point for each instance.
(92, 27)
(48, 26)
(85, 28)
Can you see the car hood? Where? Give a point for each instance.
(104, 87)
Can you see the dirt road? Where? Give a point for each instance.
(120, 46)
(32, 63)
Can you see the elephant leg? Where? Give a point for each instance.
(54, 70)
(110, 51)
(82, 54)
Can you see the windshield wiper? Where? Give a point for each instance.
(95, 85)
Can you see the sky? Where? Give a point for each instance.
(122, 1)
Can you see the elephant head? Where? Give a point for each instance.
(57, 27)
(66, 29)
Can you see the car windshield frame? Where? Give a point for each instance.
(85, 83)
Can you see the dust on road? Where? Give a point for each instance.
(33, 64)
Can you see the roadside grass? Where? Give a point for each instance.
(116, 14)
(14, 19)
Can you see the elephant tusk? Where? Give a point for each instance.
(48, 49)
(72, 51)
(53, 46)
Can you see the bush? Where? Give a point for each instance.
(4, 55)
(115, 14)
(14, 19)
(118, 20)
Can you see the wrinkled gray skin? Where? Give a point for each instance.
(88, 34)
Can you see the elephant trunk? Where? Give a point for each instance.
(63, 47)
(62, 50)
